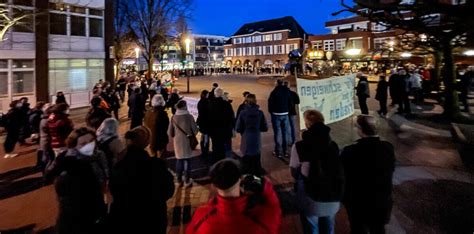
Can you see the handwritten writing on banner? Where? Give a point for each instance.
(333, 97)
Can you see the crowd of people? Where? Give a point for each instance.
(106, 183)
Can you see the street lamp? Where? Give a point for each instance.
(353, 52)
(137, 55)
(469, 53)
(187, 42)
(215, 60)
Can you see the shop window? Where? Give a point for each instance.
(95, 27)
(3, 83)
(96, 12)
(23, 64)
(23, 82)
(58, 24)
(78, 26)
(3, 64)
(23, 2)
(26, 24)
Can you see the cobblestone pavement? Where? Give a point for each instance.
(433, 193)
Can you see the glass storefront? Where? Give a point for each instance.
(17, 79)
(74, 75)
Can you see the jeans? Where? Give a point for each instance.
(316, 217)
(228, 148)
(292, 130)
(182, 170)
(204, 144)
(280, 126)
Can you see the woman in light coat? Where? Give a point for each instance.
(181, 126)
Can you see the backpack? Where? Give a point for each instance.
(325, 181)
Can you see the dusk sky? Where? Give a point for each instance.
(224, 17)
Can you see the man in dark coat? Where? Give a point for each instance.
(211, 94)
(222, 121)
(25, 130)
(173, 100)
(279, 104)
(12, 124)
(243, 105)
(136, 103)
(368, 166)
(363, 92)
(203, 122)
(381, 96)
(394, 92)
(140, 186)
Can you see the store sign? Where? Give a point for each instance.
(333, 97)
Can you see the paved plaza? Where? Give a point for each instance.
(432, 189)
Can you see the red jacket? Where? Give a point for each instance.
(59, 128)
(230, 215)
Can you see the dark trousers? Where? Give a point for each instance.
(363, 105)
(251, 164)
(10, 141)
(218, 148)
(383, 106)
(137, 120)
(404, 104)
(205, 140)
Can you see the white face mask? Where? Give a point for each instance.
(88, 149)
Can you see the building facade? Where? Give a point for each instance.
(264, 44)
(61, 47)
(208, 50)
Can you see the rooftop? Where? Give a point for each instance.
(284, 23)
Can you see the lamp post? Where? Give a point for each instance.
(215, 60)
(187, 42)
(137, 56)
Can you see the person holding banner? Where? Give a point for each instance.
(279, 104)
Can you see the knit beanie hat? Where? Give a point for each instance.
(225, 173)
(139, 136)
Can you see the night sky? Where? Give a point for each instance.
(224, 17)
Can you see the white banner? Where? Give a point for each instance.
(334, 97)
(192, 106)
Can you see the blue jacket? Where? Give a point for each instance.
(250, 123)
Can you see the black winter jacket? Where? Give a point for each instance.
(279, 100)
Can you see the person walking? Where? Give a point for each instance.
(12, 125)
(96, 114)
(203, 123)
(254, 210)
(25, 131)
(181, 128)
(363, 92)
(381, 96)
(403, 87)
(250, 124)
(136, 104)
(317, 169)
(465, 85)
(222, 122)
(45, 154)
(393, 88)
(59, 127)
(368, 166)
(279, 104)
(295, 100)
(140, 186)
(34, 118)
(81, 173)
(109, 142)
(157, 120)
(415, 81)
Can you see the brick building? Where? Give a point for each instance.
(264, 44)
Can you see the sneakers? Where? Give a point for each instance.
(10, 155)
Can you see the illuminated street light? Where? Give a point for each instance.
(406, 55)
(423, 37)
(187, 41)
(214, 56)
(469, 52)
(353, 52)
(137, 52)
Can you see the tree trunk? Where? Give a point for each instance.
(451, 102)
(118, 65)
(436, 76)
(150, 65)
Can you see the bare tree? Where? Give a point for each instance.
(445, 24)
(123, 36)
(182, 31)
(16, 17)
(150, 21)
